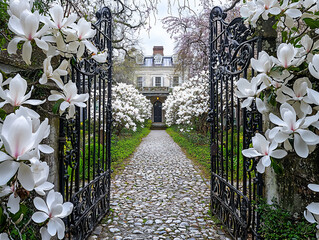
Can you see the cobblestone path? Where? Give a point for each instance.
(159, 195)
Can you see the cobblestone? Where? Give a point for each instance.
(159, 195)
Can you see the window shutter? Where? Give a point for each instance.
(162, 81)
(143, 82)
(153, 81)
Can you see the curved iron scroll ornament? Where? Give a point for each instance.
(85, 142)
(235, 183)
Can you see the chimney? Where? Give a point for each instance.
(158, 50)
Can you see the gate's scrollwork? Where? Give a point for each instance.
(235, 183)
(85, 142)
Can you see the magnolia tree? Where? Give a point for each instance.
(285, 82)
(130, 108)
(23, 174)
(188, 104)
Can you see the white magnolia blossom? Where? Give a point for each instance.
(82, 33)
(53, 210)
(264, 149)
(290, 127)
(286, 56)
(26, 29)
(20, 143)
(296, 96)
(263, 64)
(55, 75)
(71, 98)
(16, 94)
(249, 90)
(58, 21)
(16, 7)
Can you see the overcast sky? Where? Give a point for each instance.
(158, 36)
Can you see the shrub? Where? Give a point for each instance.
(278, 223)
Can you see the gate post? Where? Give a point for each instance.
(268, 36)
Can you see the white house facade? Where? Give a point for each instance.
(155, 77)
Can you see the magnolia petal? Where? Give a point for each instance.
(278, 154)
(43, 187)
(314, 187)
(39, 217)
(251, 153)
(64, 105)
(247, 103)
(4, 156)
(60, 228)
(7, 170)
(261, 106)
(300, 146)
(44, 234)
(52, 227)
(260, 167)
(42, 44)
(308, 136)
(25, 177)
(12, 46)
(80, 104)
(309, 217)
(276, 120)
(55, 97)
(313, 208)
(67, 209)
(281, 137)
(27, 52)
(14, 204)
(293, 13)
(40, 204)
(34, 102)
(90, 46)
(46, 148)
(266, 161)
(80, 50)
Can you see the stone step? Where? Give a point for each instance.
(158, 126)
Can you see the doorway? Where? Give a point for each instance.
(157, 111)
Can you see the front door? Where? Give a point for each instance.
(157, 111)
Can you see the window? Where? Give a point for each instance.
(157, 59)
(158, 81)
(175, 81)
(139, 82)
(167, 62)
(148, 62)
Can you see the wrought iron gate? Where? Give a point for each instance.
(85, 142)
(235, 183)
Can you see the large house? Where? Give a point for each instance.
(155, 77)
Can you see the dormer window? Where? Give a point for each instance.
(158, 59)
